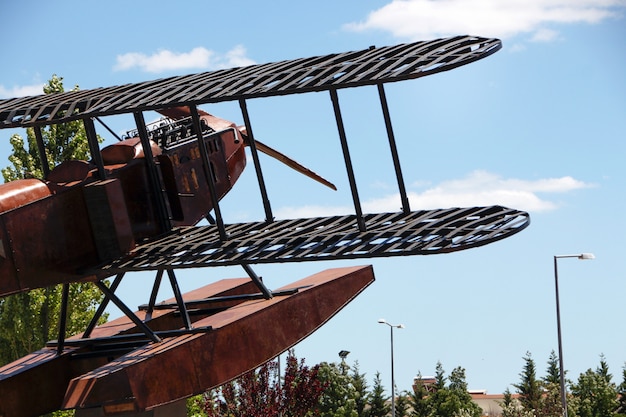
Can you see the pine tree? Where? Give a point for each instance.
(551, 400)
(378, 400)
(458, 387)
(418, 399)
(529, 387)
(402, 404)
(621, 390)
(359, 382)
(553, 373)
(440, 377)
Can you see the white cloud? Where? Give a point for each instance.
(427, 19)
(479, 188)
(197, 58)
(21, 90)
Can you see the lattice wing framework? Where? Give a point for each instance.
(327, 238)
(350, 69)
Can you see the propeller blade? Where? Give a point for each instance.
(268, 150)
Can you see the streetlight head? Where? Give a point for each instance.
(400, 326)
(586, 256)
(382, 321)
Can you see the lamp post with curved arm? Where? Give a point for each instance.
(393, 382)
(581, 256)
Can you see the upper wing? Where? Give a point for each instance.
(351, 69)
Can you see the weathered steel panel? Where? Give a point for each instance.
(242, 338)
(44, 375)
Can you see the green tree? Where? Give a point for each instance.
(361, 395)
(378, 400)
(553, 373)
(339, 396)
(402, 404)
(596, 395)
(28, 320)
(458, 386)
(551, 400)
(452, 400)
(529, 387)
(418, 399)
(62, 142)
(440, 377)
(621, 390)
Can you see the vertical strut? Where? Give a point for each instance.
(94, 149)
(179, 299)
(63, 318)
(42, 151)
(394, 150)
(347, 160)
(269, 217)
(206, 162)
(153, 175)
(154, 293)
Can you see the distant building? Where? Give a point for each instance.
(489, 403)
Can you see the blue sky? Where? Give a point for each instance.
(539, 126)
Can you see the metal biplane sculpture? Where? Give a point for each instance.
(136, 205)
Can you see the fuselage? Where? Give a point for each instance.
(57, 229)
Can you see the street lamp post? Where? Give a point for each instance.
(393, 382)
(581, 256)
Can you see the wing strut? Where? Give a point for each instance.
(269, 217)
(195, 117)
(348, 161)
(94, 149)
(182, 308)
(153, 174)
(63, 319)
(394, 150)
(153, 294)
(45, 165)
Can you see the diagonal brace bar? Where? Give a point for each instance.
(102, 307)
(267, 293)
(128, 312)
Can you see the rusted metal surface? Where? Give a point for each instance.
(173, 175)
(351, 69)
(45, 375)
(242, 338)
(328, 238)
(53, 231)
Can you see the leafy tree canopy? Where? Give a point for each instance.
(28, 320)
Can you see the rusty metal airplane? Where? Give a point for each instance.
(136, 205)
